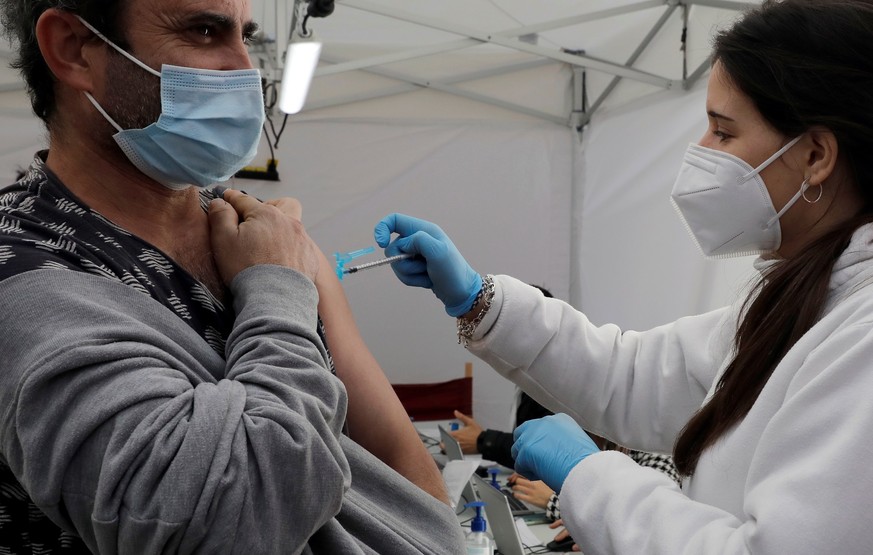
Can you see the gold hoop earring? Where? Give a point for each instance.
(805, 187)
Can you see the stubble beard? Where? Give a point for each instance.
(133, 96)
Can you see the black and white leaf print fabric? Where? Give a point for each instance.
(45, 227)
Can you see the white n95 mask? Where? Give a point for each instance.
(725, 204)
(209, 127)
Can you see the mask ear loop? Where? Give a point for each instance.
(103, 112)
(800, 193)
(807, 186)
(118, 49)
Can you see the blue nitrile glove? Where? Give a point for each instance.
(437, 266)
(548, 448)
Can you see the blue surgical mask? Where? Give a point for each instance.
(209, 127)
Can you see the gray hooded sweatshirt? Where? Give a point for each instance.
(125, 426)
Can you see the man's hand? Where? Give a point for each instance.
(246, 232)
(467, 435)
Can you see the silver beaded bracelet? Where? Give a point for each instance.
(466, 328)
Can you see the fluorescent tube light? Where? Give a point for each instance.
(301, 60)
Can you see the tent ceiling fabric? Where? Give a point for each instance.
(514, 55)
(626, 48)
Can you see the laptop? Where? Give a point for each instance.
(501, 523)
(454, 453)
(451, 445)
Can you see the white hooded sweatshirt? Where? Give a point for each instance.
(794, 477)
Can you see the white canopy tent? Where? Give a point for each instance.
(466, 113)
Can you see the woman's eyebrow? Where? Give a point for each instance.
(716, 115)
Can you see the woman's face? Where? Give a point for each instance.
(736, 127)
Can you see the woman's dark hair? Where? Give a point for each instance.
(804, 64)
(546, 293)
(19, 19)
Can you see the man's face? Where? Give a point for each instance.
(200, 33)
(208, 34)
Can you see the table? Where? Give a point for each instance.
(430, 434)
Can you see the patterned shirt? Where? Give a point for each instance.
(44, 226)
(663, 463)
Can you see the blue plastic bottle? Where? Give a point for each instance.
(478, 542)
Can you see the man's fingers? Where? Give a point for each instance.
(241, 202)
(288, 206)
(223, 219)
(245, 232)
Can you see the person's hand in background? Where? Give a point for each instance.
(535, 492)
(563, 534)
(467, 435)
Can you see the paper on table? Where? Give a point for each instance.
(528, 538)
(457, 474)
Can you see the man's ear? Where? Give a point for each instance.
(68, 48)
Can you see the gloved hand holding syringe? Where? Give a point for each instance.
(341, 260)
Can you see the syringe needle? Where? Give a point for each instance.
(376, 263)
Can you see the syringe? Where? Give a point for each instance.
(376, 263)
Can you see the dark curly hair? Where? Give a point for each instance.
(19, 19)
